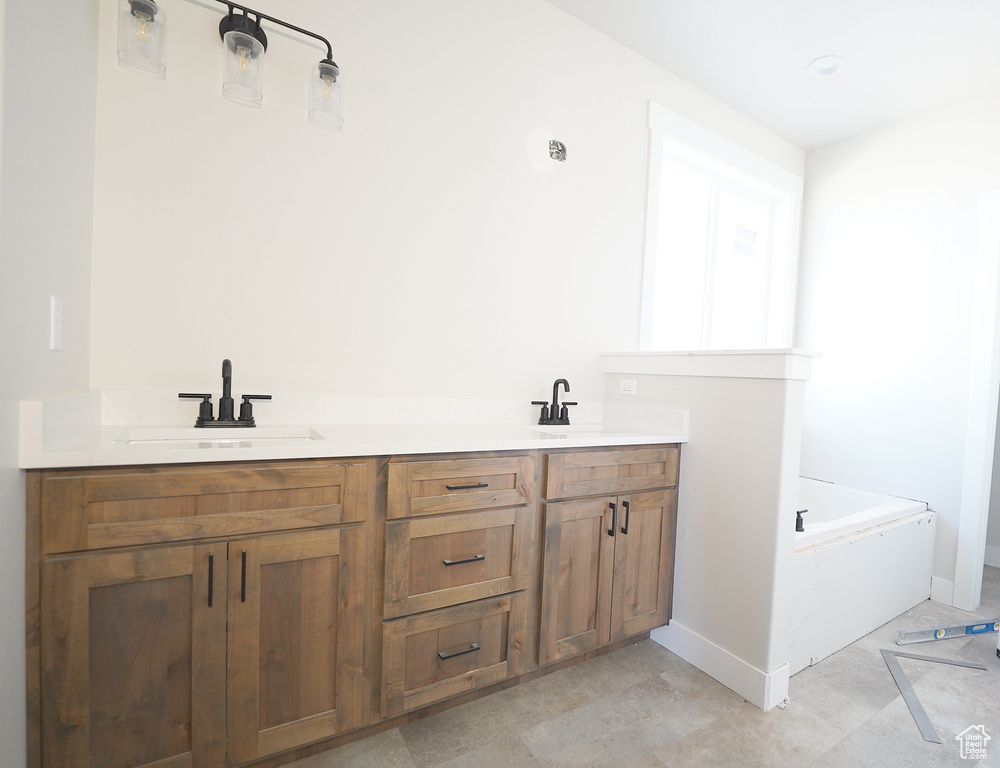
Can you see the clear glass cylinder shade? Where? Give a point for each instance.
(326, 97)
(141, 36)
(243, 68)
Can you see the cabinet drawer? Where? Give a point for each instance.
(455, 485)
(115, 508)
(599, 473)
(435, 655)
(433, 562)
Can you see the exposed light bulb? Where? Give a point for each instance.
(141, 34)
(243, 68)
(243, 59)
(326, 96)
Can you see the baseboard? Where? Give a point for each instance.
(993, 556)
(765, 689)
(942, 591)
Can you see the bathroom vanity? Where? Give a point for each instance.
(250, 612)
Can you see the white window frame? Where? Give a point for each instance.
(693, 143)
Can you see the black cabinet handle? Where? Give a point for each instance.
(467, 487)
(211, 578)
(473, 559)
(472, 648)
(243, 579)
(627, 510)
(614, 518)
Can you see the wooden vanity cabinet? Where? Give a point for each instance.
(208, 616)
(607, 567)
(203, 653)
(459, 563)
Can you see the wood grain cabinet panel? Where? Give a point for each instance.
(295, 649)
(120, 508)
(608, 561)
(432, 656)
(439, 561)
(607, 572)
(133, 649)
(204, 654)
(609, 472)
(455, 485)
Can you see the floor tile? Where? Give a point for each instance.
(385, 750)
(891, 739)
(845, 689)
(644, 707)
(751, 738)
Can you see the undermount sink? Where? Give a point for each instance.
(571, 430)
(217, 435)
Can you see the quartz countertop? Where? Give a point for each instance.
(72, 436)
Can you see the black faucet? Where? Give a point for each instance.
(556, 413)
(226, 419)
(226, 401)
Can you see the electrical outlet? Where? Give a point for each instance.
(626, 386)
(55, 323)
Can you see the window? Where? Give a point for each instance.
(721, 243)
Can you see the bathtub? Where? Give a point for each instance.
(863, 559)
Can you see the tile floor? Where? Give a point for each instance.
(643, 707)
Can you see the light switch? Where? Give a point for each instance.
(55, 322)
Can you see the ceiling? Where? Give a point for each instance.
(903, 56)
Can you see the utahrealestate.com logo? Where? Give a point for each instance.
(972, 743)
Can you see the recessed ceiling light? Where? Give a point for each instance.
(826, 66)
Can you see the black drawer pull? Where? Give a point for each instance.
(467, 487)
(211, 578)
(243, 579)
(442, 655)
(473, 559)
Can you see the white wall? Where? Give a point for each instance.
(738, 492)
(431, 249)
(46, 198)
(993, 530)
(886, 295)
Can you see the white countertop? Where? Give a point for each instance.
(69, 434)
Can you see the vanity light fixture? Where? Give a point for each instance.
(141, 35)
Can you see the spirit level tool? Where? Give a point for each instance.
(908, 636)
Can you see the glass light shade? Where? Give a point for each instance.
(243, 68)
(326, 97)
(141, 36)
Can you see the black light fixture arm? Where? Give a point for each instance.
(259, 15)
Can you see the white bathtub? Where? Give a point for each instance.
(863, 559)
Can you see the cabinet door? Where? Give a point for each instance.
(576, 577)
(134, 648)
(296, 632)
(644, 563)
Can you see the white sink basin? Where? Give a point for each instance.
(218, 435)
(556, 431)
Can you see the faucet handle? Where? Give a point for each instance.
(564, 411)
(246, 408)
(545, 410)
(204, 410)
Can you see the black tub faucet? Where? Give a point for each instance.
(556, 413)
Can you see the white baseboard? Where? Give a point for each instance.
(993, 556)
(942, 591)
(765, 689)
